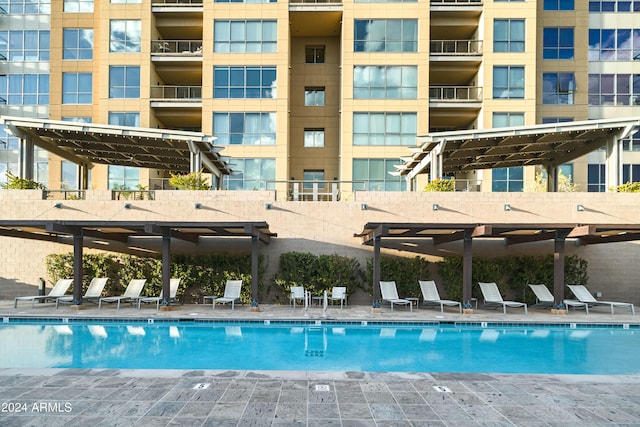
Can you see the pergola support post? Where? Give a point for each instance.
(467, 270)
(376, 272)
(558, 272)
(166, 270)
(77, 268)
(254, 273)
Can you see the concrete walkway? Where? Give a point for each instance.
(57, 397)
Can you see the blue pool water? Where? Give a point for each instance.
(321, 347)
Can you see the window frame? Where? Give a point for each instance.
(513, 43)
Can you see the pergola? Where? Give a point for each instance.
(585, 234)
(80, 233)
(549, 145)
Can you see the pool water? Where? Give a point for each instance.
(321, 347)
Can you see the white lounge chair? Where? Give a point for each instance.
(430, 295)
(491, 295)
(390, 293)
(298, 294)
(339, 293)
(544, 298)
(97, 331)
(93, 293)
(59, 289)
(231, 294)
(174, 284)
(131, 294)
(583, 295)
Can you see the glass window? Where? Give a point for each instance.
(632, 143)
(374, 175)
(123, 177)
(312, 175)
(244, 128)
(245, 1)
(26, 7)
(380, 128)
(385, 35)
(508, 35)
(251, 174)
(314, 54)
(77, 119)
(125, 35)
(385, 82)
(314, 96)
(24, 89)
(77, 88)
(41, 167)
(244, 36)
(501, 120)
(69, 176)
(124, 81)
(314, 138)
(558, 5)
(126, 1)
(630, 173)
(558, 88)
(596, 178)
(9, 153)
(244, 82)
(124, 118)
(386, 1)
(546, 120)
(78, 6)
(558, 43)
(508, 82)
(24, 45)
(507, 179)
(77, 43)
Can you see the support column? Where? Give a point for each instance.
(26, 159)
(254, 273)
(558, 275)
(77, 268)
(166, 270)
(376, 272)
(552, 179)
(467, 270)
(614, 163)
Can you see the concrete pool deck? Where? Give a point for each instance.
(103, 397)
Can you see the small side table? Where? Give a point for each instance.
(414, 299)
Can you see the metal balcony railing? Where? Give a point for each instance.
(177, 2)
(176, 92)
(64, 194)
(455, 93)
(176, 47)
(314, 2)
(456, 47)
(456, 2)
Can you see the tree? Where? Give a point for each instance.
(190, 181)
(17, 183)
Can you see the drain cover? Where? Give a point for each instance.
(322, 387)
(442, 389)
(201, 386)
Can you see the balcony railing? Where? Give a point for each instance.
(64, 194)
(133, 195)
(177, 2)
(313, 2)
(456, 2)
(455, 93)
(176, 92)
(177, 47)
(456, 47)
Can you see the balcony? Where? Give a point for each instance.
(456, 2)
(179, 3)
(178, 93)
(455, 93)
(456, 47)
(176, 48)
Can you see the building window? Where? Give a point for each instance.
(126, 1)
(614, 44)
(26, 7)
(503, 120)
(314, 138)
(314, 54)
(596, 178)
(251, 174)
(632, 143)
(314, 97)
(566, 170)
(125, 35)
(124, 118)
(77, 119)
(24, 89)
(558, 88)
(309, 176)
(77, 88)
(386, 1)
(385, 35)
(630, 173)
(379, 128)
(245, 1)
(508, 35)
(77, 43)
(507, 179)
(385, 82)
(9, 153)
(123, 177)
(508, 82)
(558, 5)
(558, 43)
(614, 89)
(374, 175)
(244, 82)
(23, 46)
(124, 81)
(245, 128)
(41, 167)
(69, 176)
(614, 6)
(546, 120)
(78, 6)
(244, 36)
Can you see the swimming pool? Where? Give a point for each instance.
(322, 346)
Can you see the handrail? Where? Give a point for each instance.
(457, 2)
(456, 47)
(294, 2)
(173, 47)
(180, 2)
(175, 92)
(455, 93)
(64, 194)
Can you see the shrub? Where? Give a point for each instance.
(404, 271)
(441, 185)
(190, 181)
(17, 183)
(629, 187)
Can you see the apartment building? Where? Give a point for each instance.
(312, 95)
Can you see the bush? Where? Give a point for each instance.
(17, 183)
(190, 181)
(629, 187)
(404, 271)
(441, 185)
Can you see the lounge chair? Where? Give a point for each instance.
(59, 289)
(231, 294)
(97, 331)
(131, 294)
(584, 296)
(491, 295)
(430, 295)
(544, 298)
(390, 294)
(174, 284)
(93, 293)
(298, 294)
(339, 293)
